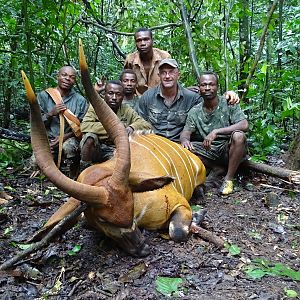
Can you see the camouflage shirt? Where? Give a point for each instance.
(201, 123)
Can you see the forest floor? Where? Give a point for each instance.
(259, 221)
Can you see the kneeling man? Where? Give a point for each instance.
(96, 145)
(215, 131)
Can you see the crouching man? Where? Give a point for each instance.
(96, 146)
(215, 131)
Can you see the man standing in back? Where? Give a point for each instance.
(144, 62)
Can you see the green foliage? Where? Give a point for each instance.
(196, 208)
(290, 293)
(261, 267)
(232, 249)
(263, 140)
(290, 109)
(41, 36)
(8, 230)
(168, 286)
(255, 235)
(21, 246)
(13, 154)
(74, 250)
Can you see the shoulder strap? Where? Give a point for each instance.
(72, 120)
(56, 97)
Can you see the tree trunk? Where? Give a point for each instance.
(266, 94)
(10, 88)
(286, 174)
(12, 135)
(188, 33)
(279, 51)
(244, 43)
(227, 10)
(27, 33)
(260, 49)
(293, 157)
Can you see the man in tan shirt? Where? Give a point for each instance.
(145, 60)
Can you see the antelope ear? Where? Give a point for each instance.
(142, 182)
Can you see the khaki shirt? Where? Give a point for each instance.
(134, 62)
(126, 114)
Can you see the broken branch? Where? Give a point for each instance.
(260, 49)
(13, 135)
(46, 240)
(207, 235)
(106, 29)
(279, 188)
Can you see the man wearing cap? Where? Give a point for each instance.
(166, 105)
(144, 62)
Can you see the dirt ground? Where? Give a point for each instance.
(261, 220)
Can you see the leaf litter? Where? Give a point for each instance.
(262, 260)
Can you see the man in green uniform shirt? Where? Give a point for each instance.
(96, 145)
(218, 130)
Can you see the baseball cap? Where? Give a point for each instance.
(168, 61)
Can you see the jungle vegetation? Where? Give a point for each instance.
(254, 50)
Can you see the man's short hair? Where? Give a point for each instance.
(67, 66)
(117, 82)
(127, 71)
(210, 73)
(143, 29)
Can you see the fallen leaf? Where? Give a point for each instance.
(3, 201)
(91, 275)
(4, 196)
(134, 273)
(291, 293)
(167, 286)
